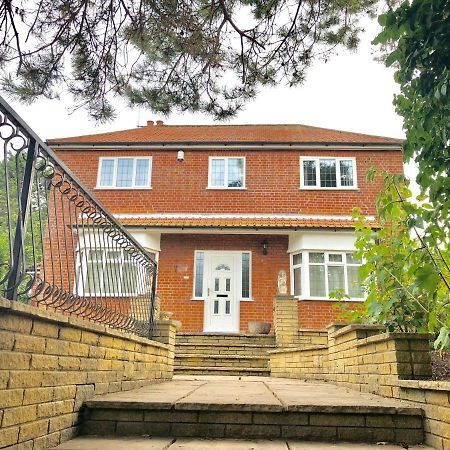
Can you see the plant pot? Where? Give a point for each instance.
(259, 327)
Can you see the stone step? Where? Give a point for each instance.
(224, 349)
(169, 443)
(223, 339)
(366, 424)
(227, 370)
(194, 360)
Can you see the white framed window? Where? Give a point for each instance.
(108, 272)
(124, 173)
(244, 268)
(327, 173)
(315, 274)
(226, 172)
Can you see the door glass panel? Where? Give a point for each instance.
(216, 284)
(245, 275)
(227, 284)
(223, 267)
(216, 306)
(227, 307)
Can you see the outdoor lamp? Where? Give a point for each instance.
(180, 156)
(265, 246)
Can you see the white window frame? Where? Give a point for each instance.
(338, 173)
(114, 181)
(305, 286)
(81, 274)
(225, 186)
(206, 273)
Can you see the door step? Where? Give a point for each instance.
(237, 371)
(202, 360)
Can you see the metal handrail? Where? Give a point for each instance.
(64, 249)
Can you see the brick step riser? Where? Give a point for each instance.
(211, 350)
(229, 371)
(221, 362)
(335, 426)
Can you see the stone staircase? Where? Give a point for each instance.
(253, 408)
(223, 354)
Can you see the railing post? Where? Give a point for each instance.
(24, 198)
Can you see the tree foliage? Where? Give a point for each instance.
(188, 55)
(406, 268)
(418, 33)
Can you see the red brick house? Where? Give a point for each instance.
(223, 208)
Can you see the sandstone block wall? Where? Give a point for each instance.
(50, 364)
(361, 357)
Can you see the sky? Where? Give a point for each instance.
(350, 92)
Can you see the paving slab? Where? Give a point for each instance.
(147, 443)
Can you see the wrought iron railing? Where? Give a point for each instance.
(59, 248)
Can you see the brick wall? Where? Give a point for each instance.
(177, 262)
(50, 364)
(390, 364)
(272, 182)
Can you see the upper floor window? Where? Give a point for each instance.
(124, 173)
(226, 173)
(327, 173)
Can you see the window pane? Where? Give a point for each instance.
(346, 173)
(111, 277)
(235, 172)
(354, 285)
(129, 278)
(352, 260)
(124, 172)
(316, 258)
(298, 281)
(317, 281)
(218, 172)
(199, 265)
(336, 278)
(328, 173)
(335, 257)
(141, 178)
(309, 173)
(92, 278)
(245, 275)
(297, 259)
(107, 172)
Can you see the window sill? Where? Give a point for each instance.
(209, 188)
(315, 188)
(99, 188)
(197, 299)
(322, 299)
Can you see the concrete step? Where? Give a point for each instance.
(225, 407)
(202, 360)
(225, 370)
(224, 349)
(169, 443)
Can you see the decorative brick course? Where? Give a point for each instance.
(50, 364)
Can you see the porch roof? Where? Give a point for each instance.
(241, 222)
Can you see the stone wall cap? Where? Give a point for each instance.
(285, 297)
(431, 385)
(313, 330)
(35, 312)
(393, 336)
(357, 326)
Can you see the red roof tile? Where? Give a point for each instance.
(229, 134)
(266, 223)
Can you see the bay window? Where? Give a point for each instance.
(315, 274)
(327, 173)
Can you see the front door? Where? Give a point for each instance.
(221, 306)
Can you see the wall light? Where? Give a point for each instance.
(180, 156)
(265, 247)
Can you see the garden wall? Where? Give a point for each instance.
(361, 357)
(50, 364)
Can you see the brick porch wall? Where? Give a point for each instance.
(176, 262)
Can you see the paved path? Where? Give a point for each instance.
(249, 393)
(91, 443)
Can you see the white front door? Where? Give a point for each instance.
(222, 305)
